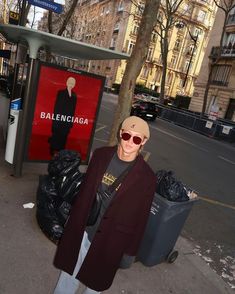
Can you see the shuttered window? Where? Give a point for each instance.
(221, 74)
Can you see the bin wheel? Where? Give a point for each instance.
(172, 256)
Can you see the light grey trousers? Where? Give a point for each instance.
(68, 284)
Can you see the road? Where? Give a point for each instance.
(203, 164)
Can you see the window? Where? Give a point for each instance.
(213, 105)
(113, 43)
(120, 5)
(187, 66)
(107, 9)
(130, 47)
(144, 73)
(177, 44)
(187, 9)
(231, 18)
(116, 27)
(102, 10)
(191, 50)
(154, 37)
(197, 32)
(181, 83)
(150, 54)
(173, 61)
(158, 75)
(221, 74)
(201, 16)
(169, 78)
(140, 8)
(206, 1)
(135, 29)
(230, 39)
(160, 16)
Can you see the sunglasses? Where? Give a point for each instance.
(126, 136)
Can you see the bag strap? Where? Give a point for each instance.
(118, 180)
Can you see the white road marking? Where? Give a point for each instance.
(216, 202)
(104, 141)
(180, 139)
(107, 108)
(227, 160)
(147, 155)
(100, 128)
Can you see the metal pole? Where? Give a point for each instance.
(22, 13)
(191, 57)
(22, 131)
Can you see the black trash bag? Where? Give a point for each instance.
(49, 222)
(71, 168)
(47, 201)
(71, 187)
(62, 181)
(62, 160)
(56, 193)
(171, 188)
(68, 194)
(46, 191)
(63, 211)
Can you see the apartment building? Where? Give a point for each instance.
(221, 96)
(114, 25)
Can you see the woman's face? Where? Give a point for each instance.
(71, 82)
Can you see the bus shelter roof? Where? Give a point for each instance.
(56, 44)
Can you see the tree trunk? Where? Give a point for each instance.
(49, 22)
(67, 17)
(164, 50)
(134, 66)
(206, 91)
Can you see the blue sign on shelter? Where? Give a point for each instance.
(49, 5)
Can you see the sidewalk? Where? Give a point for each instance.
(26, 254)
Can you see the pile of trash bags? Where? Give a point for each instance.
(171, 188)
(56, 193)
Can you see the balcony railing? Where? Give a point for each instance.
(226, 51)
(219, 83)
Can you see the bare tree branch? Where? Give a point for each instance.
(67, 17)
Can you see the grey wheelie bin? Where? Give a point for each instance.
(164, 225)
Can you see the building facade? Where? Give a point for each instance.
(221, 96)
(114, 24)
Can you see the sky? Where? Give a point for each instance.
(39, 12)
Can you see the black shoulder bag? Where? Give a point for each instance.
(96, 206)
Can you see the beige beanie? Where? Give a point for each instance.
(136, 124)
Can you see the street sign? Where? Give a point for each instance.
(49, 5)
(13, 17)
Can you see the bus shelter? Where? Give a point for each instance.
(40, 74)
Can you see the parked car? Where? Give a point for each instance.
(145, 109)
(3, 83)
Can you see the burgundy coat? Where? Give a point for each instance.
(121, 228)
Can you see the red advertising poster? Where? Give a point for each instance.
(66, 107)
